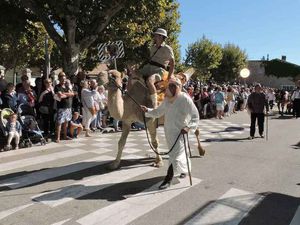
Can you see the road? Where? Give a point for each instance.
(238, 181)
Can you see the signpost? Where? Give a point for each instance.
(111, 51)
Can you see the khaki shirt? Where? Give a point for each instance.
(163, 55)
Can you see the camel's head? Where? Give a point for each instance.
(111, 78)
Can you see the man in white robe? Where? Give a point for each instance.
(181, 116)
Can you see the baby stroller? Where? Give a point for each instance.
(30, 128)
(4, 116)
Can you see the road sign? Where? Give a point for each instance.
(111, 50)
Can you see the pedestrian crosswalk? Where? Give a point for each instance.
(68, 183)
(233, 205)
(135, 206)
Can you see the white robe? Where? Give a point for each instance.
(179, 114)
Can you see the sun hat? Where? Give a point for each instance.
(161, 32)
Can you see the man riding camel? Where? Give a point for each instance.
(161, 60)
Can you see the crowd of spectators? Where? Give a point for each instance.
(67, 106)
(63, 108)
(220, 100)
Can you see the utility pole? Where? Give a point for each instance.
(47, 57)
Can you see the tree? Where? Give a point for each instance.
(233, 60)
(280, 68)
(74, 25)
(135, 27)
(204, 56)
(21, 40)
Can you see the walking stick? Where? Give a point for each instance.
(189, 145)
(187, 160)
(267, 126)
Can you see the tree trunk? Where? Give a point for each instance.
(71, 60)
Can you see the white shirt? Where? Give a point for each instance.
(179, 114)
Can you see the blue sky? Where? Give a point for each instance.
(259, 27)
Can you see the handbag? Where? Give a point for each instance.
(44, 109)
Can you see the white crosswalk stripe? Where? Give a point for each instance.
(44, 175)
(233, 206)
(9, 212)
(234, 203)
(61, 222)
(39, 159)
(135, 206)
(24, 151)
(89, 185)
(296, 218)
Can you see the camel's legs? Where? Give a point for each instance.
(151, 124)
(125, 131)
(200, 149)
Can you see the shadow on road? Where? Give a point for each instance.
(296, 146)
(110, 192)
(229, 129)
(273, 209)
(91, 169)
(282, 117)
(226, 139)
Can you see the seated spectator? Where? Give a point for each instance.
(75, 126)
(10, 98)
(13, 130)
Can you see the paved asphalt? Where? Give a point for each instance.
(238, 181)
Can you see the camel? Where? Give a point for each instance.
(122, 107)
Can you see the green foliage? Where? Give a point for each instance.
(21, 40)
(134, 26)
(233, 60)
(279, 68)
(204, 56)
(81, 25)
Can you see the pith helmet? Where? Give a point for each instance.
(161, 32)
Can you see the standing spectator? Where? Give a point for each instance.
(89, 109)
(219, 100)
(13, 130)
(26, 94)
(46, 108)
(3, 82)
(196, 98)
(26, 73)
(98, 122)
(76, 104)
(257, 102)
(296, 100)
(271, 98)
(245, 93)
(38, 88)
(204, 101)
(64, 106)
(10, 98)
(282, 101)
(230, 100)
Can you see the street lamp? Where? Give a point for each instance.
(244, 73)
